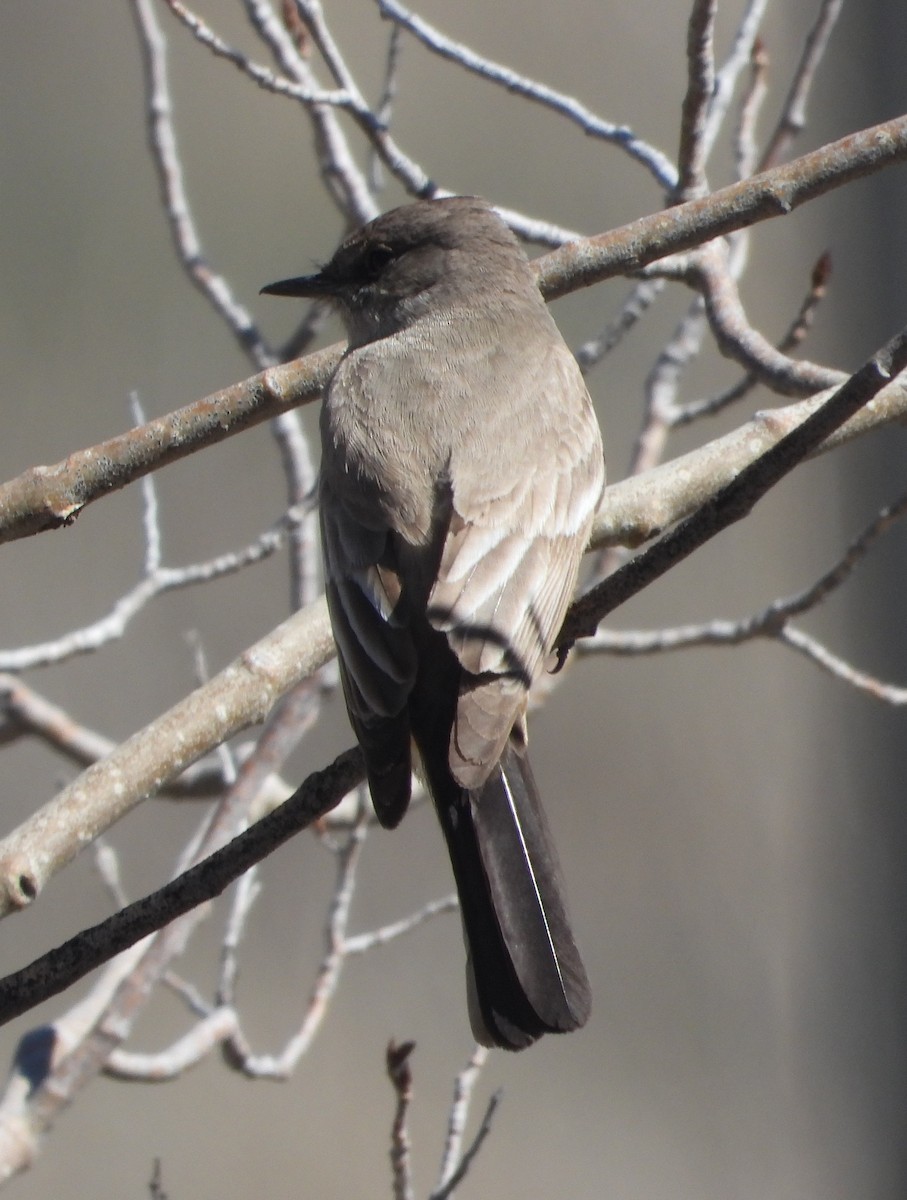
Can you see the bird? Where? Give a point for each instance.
(462, 466)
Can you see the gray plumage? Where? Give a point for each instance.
(461, 468)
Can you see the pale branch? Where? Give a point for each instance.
(47, 497)
(40, 1052)
(681, 482)
(239, 696)
(245, 893)
(793, 114)
(186, 1052)
(746, 151)
(693, 152)
(769, 624)
(157, 581)
(213, 285)
(361, 942)
(661, 388)
(151, 525)
(385, 109)
(773, 622)
(736, 338)
(640, 299)
(62, 1080)
(742, 53)
(839, 668)
(237, 1052)
(410, 174)
(456, 1125)
(259, 75)
(663, 382)
(683, 414)
(56, 971)
(87, 1059)
(190, 995)
(661, 409)
(343, 180)
(26, 712)
(657, 164)
(107, 867)
(164, 152)
(445, 1192)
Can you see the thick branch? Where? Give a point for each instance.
(48, 497)
(774, 193)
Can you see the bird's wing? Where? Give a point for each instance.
(375, 649)
(525, 487)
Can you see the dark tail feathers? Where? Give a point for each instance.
(527, 977)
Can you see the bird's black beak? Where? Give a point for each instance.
(313, 286)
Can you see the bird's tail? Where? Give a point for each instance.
(526, 974)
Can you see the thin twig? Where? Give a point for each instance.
(793, 114)
(655, 162)
(456, 1125)
(163, 144)
(400, 1074)
(691, 157)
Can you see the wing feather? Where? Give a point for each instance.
(510, 560)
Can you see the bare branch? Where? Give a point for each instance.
(736, 499)
(637, 509)
(400, 1074)
(258, 74)
(49, 497)
(162, 141)
(456, 1126)
(445, 1192)
(812, 649)
(745, 148)
(362, 942)
(657, 164)
(726, 78)
(773, 193)
(160, 580)
(208, 1033)
(793, 116)
(641, 298)
(241, 695)
(385, 108)
(691, 181)
(798, 331)
(343, 180)
(773, 622)
(770, 622)
(237, 1053)
(60, 968)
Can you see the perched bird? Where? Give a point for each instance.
(461, 468)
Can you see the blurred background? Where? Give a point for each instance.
(731, 822)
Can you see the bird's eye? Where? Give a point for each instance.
(376, 259)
